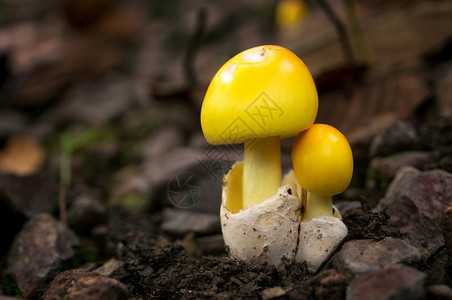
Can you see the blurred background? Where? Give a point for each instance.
(100, 100)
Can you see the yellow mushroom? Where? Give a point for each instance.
(289, 13)
(323, 163)
(257, 97)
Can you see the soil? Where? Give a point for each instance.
(171, 273)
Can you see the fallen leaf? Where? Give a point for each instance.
(22, 156)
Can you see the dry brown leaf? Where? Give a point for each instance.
(22, 156)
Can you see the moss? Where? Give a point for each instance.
(9, 286)
(135, 201)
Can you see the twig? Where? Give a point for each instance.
(357, 32)
(193, 46)
(62, 204)
(65, 173)
(340, 28)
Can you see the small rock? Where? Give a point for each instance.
(9, 298)
(160, 142)
(330, 284)
(85, 212)
(81, 284)
(38, 252)
(130, 182)
(359, 256)
(445, 96)
(447, 229)
(146, 272)
(387, 167)
(97, 102)
(361, 137)
(161, 169)
(397, 282)
(435, 135)
(181, 222)
(415, 202)
(440, 292)
(29, 195)
(272, 293)
(397, 137)
(211, 244)
(109, 267)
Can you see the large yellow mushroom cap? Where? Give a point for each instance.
(322, 160)
(261, 92)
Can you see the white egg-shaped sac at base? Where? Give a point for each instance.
(319, 239)
(266, 232)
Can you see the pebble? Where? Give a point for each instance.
(38, 253)
(109, 267)
(81, 284)
(397, 137)
(359, 256)
(387, 167)
(415, 202)
(86, 211)
(160, 142)
(439, 292)
(181, 222)
(397, 282)
(211, 244)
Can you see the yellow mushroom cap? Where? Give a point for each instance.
(290, 12)
(261, 92)
(322, 160)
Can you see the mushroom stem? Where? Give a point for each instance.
(261, 169)
(318, 205)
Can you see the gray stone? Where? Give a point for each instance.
(439, 292)
(397, 137)
(359, 256)
(160, 142)
(109, 267)
(211, 244)
(146, 271)
(397, 282)
(174, 174)
(181, 222)
(9, 298)
(86, 211)
(161, 169)
(38, 252)
(445, 96)
(29, 195)
(387, 167)
(415, 202)
(98, 102)
(81, 284)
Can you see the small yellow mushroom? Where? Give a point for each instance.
(323, 163)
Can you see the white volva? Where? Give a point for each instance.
(319, 238)
(274, 229)
(265, 232)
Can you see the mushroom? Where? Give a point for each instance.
(323, 164)
(257, 97)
